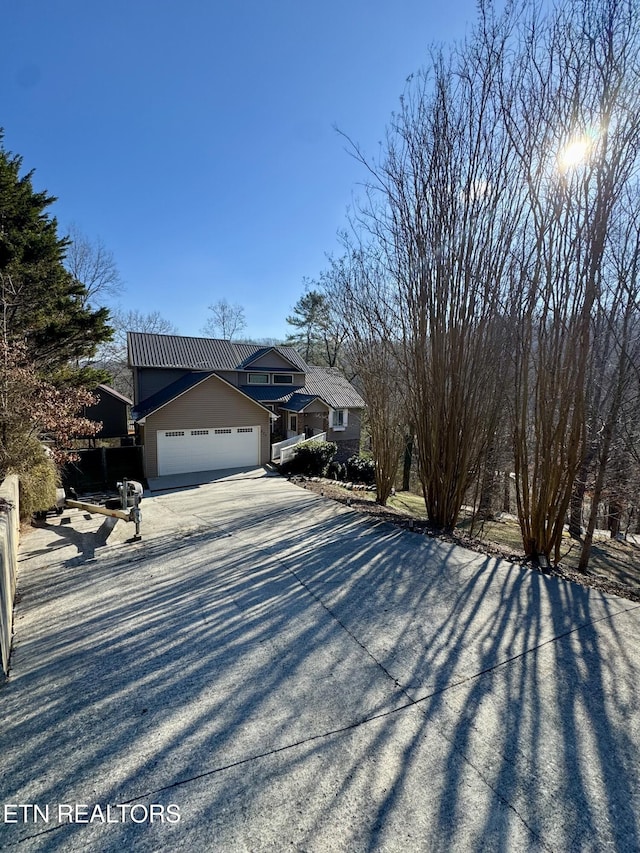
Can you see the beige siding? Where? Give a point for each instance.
(212, 403)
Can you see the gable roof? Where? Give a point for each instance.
(260, 353)
(299, 402)
(176, 389)
(151, 350)
(113, 393)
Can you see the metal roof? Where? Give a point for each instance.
(151, 350)
(329, 384)
(326, 383)
(270, 393)
(299, 402)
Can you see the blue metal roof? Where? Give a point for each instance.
(299, 402)
(324, 383)
(270, 393)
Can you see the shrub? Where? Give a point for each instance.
(337, 471)
(360, 469)
(311, 458)
(38, 480)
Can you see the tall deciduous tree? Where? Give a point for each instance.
(437, 208)
(226, 320)
(496, 200)
(93, 266)
(357, 289)
(571, 117)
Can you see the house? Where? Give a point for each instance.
(112, 410)
(205, 404)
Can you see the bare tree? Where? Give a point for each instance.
(618, 307)
(226, 320)
(112, 356)
(570, 117)
(357, 281)
(94, 266)
(440, 211)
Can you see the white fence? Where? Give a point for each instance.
(9, 531)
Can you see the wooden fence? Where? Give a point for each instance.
(101, 468)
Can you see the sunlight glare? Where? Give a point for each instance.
(573, 154)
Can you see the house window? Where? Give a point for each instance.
(293, 423)
(283, 378)
(258, 378)
(338, 419)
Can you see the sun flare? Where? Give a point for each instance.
(573, 154)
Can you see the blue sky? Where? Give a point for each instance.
(196, 138)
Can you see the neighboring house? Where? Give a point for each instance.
(205, 404)
(112, 410)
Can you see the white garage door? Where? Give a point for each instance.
(184, 450)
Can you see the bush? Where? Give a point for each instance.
(311, 458)
(360, 469)
(337, 471)
(38, 480)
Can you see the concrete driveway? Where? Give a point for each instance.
(267, 670)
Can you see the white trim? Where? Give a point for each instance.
(345, 420)
(251, 373)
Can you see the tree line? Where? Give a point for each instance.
(488, 293)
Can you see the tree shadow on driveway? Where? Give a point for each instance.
(321, 680)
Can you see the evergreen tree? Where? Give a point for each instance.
(42, 305)
(46, 329)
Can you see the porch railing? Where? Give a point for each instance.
(283, 450)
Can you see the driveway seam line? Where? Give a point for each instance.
(381, 715)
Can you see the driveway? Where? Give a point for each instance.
(268, 670)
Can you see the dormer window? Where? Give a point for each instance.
(258, 378)
(283, 378)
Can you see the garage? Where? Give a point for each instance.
(181, 451)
